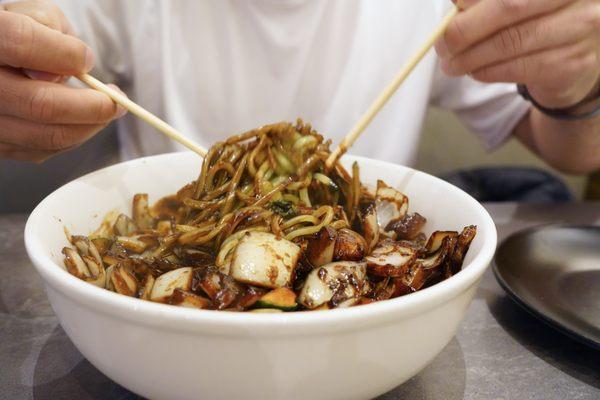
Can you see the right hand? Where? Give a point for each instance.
(39, 115)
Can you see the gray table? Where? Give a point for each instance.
(500, 351)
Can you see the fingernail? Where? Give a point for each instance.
(121, 111)
(446, 66)
(442, 48)
(116, 88)
(89, 59)
(42, 76)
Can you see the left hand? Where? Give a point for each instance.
(552, 46)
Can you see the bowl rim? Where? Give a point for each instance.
(235, 324)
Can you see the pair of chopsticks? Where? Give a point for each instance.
(348, 141)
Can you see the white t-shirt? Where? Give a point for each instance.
(213, 68)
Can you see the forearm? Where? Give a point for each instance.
(569, 146)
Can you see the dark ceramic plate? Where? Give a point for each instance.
(554, 273)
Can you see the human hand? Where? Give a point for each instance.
(552, 46)
(39, 115)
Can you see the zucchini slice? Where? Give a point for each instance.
(283, 299)
(266, 310)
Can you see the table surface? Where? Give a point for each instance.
(500, 351)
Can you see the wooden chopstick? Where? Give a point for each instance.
(142, 113)
(388, 92)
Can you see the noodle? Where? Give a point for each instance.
(266, 213)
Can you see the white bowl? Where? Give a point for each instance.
(165, 352)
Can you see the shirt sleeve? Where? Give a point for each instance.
(491, 111)
(101, 24)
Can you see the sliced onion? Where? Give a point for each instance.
(165, 285)
(263, 259)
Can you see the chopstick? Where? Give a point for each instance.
(142, 113)
(389, 91)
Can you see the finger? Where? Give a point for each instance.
(53, 103)
(487, 17)
(35, 136)
(43, 76)
(48, 14)
(19, 154)
(549, 68)
(527, 37)
(44, 12)
(25, 43)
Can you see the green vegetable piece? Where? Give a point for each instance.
(282, 299)
(284, 208)
(266, 310)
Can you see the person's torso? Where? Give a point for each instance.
(214, 68)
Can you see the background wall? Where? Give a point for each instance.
(446, 146)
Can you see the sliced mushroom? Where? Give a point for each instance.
(132, 243)
(408, 227)
(391, 258)
(194, 256)
(75, 264)
(436, 239)
(263, 259)
(462, 246)
(165, 285)
(222, 289)
(147, 285)
(109, 272)
(182, 298)
(97, 272)
(370, 225)
(335, 282)
(401, 287)
(86, 248)
(141, 213)
(349, 246)
(124, 226)
(415, 279)
(209, 281)
(111, 259)
(439, 246)
(102, 244)
(321, 247)
(123, 281)
(164, 227)
(383, 290)
(250, 297)
(390, 204)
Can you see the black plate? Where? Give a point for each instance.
(554, 273)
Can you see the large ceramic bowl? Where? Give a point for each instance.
(165, 352)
